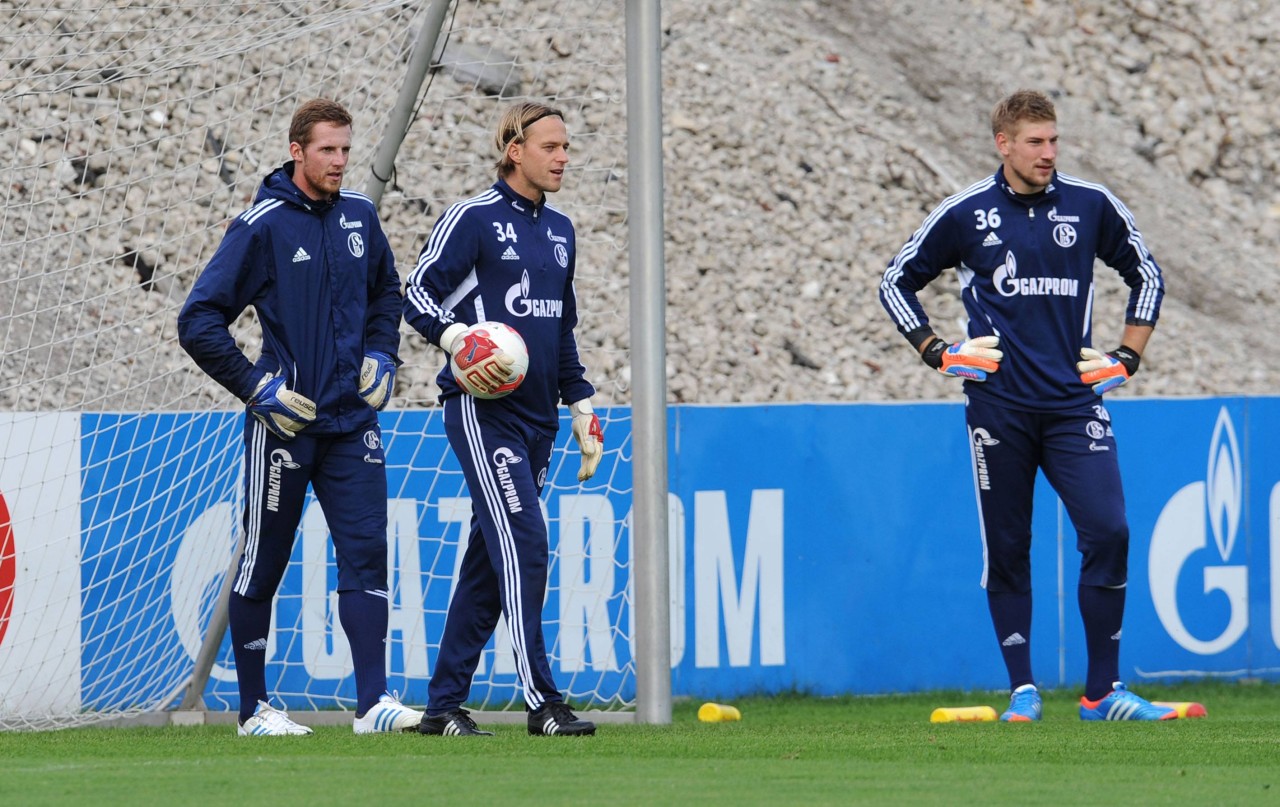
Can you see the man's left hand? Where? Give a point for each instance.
(590, 437)
(377, 379)
(1106, 371)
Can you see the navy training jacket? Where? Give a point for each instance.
(1026, 275)
(322, 279)
(500, 257)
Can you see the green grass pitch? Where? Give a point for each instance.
(785, 750)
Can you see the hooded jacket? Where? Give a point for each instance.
(321, 278)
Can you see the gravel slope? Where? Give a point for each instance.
(804, 143)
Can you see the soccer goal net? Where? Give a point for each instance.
(134, 133)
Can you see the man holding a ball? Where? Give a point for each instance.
(500, 262)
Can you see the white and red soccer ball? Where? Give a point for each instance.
(479, 342)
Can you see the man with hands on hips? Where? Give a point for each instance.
(1024, 243)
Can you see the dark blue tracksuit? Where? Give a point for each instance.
(1026, 274)
(500, 257)
(322, 280)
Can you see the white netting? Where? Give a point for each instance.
(134, 132)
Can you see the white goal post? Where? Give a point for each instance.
(135, 132)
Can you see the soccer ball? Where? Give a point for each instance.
(481, 341)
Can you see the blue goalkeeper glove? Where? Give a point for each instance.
(283, 411)
(973, 359)
(377, 379)
(1106, 371)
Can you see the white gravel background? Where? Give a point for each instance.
(804, 142)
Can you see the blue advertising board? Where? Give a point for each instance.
(826, 549)
(145, 479)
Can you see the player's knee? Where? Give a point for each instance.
(1104, 558)
(1005, 580)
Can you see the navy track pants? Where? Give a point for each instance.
(504, 570)
(1077, 452)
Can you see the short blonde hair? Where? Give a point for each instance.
(1030, 106)
(512, 127)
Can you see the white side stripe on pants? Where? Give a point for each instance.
(510, 573)
(255, 477)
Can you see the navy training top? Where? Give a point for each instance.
(322, 280)
(501, 257)
(1026, 275)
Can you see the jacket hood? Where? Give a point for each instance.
(279, 185)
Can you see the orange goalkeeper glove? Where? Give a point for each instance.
(1106, 371)
(973, 359)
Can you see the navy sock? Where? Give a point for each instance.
(250, 621)
(365, 617)
(1011, 616)
(1102, 611)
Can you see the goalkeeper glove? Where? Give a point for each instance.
(1106, 371)
(479, 365)
(377, 379)
(590, 437)
(283, 411)
(973, 359)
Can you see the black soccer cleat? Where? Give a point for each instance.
(556, 718)
(454, 723)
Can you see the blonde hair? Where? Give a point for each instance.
(512, 126)
(1031, 106)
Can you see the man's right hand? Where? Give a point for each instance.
(283, 411)
(479, 365)
(972, 359)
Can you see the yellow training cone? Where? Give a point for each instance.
(718, 713)
(1184, 709)
(963, 714)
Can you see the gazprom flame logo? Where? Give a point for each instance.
(1005, 279)
(1182, 530)
(520, 304)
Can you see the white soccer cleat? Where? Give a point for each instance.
(388, 714)
(270, 721)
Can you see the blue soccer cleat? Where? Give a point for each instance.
(1121, 704)
(1024, 705)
